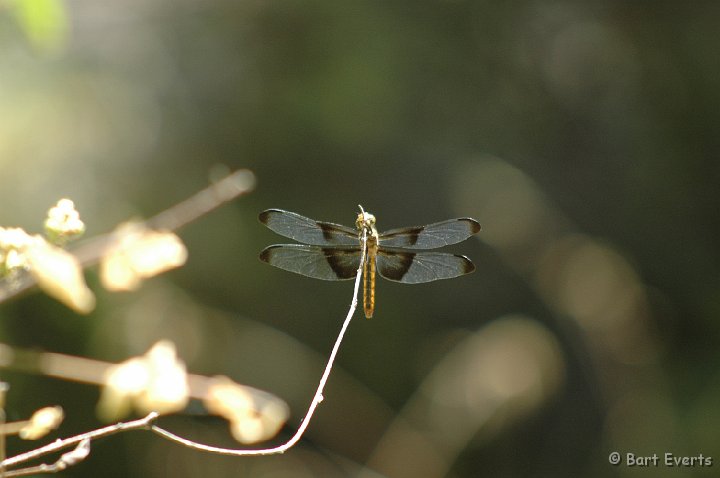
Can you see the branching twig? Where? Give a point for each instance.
(61, 444)
(73, 457)
(90, 251)
(228, 188)
(82, 441)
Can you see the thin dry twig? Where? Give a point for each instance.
(226, 189)
(91, 371)
(317, 398)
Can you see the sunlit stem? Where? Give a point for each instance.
(315, 401)
(85, 370)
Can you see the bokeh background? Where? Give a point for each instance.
(583, 137)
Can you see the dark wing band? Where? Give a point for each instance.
(434, 235)
(303, 229)
(418, 267)
(326, 263)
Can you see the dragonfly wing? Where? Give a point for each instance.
(418, 267)
(434, 235)
(303, 229)
(326, 263)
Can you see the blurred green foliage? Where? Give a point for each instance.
(44, 22)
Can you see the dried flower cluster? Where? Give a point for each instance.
(156, 381)
(136, 253)
(42, 422)
(250, 422)
(63, 222)
(56, 271)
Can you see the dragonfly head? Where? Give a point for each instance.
(366, 221)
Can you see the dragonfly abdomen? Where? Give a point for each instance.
(369, 280)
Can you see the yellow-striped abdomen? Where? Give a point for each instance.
(369, 281)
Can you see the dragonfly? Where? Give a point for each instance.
(333, 252)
